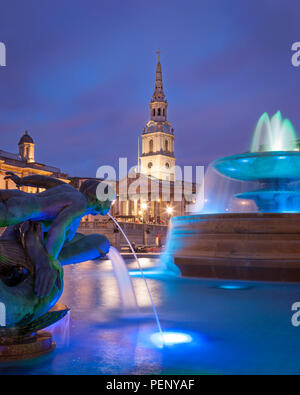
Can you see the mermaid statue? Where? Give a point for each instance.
(40, 238)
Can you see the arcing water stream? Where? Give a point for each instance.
(143, 276)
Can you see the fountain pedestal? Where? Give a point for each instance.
(30, 341)
(241, 246)
(26, 347)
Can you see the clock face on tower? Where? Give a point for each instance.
(151, 126)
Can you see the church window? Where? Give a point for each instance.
(153, 112)
(166, 145)
(150, 165)
(167, 165)
(158, 111)
(151, 146)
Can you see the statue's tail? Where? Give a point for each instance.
(13, 254)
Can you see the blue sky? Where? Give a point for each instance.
(80, 75)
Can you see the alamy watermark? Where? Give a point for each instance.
(2, 55)
(296, 55)
(296, 316)
(2, 314)
(180, 183)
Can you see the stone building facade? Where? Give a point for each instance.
(24, 164)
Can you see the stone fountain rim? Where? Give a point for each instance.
(235, 216)
(256, 154)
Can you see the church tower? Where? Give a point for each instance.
(157, 157)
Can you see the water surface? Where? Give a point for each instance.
(233, 330)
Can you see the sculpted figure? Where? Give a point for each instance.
(59, 210)
(21, 252)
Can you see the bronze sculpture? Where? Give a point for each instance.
(41, 236)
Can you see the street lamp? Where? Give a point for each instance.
(144, 206)
(170, 210)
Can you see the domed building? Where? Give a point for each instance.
(24, 164)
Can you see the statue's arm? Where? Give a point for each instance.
(67, 219)
(47, 271)
(35, 180)
(73, 230)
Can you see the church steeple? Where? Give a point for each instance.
(157, 157)
(158, 103)
(158, 94)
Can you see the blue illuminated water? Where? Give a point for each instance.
(232, 330)
(266, 179)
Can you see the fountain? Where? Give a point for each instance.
(255, 233)
(40, 238)
(274, 162)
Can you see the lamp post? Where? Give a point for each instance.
(143, 211)
(169, 211)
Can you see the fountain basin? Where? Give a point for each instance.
(261, 166)
(273, 200)
(241, 246)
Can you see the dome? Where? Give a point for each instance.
(26, 139)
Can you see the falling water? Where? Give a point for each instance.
(219, 194)
(142, 273)
(127, 294)
(61, 331)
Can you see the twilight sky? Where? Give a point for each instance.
(80, 74)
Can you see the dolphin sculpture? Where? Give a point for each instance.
(22, 253)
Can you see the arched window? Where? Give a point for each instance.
(167, 165)
(150, 164)
(166, 145)
(153, 112)
(158, 111)
(151, 146)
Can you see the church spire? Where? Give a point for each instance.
(157, 158)
(158, 94)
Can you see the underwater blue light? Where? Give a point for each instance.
(146, 272)
(233, 286)
(170, 338)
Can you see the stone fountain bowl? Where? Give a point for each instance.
(261, 166)
(236, 246)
